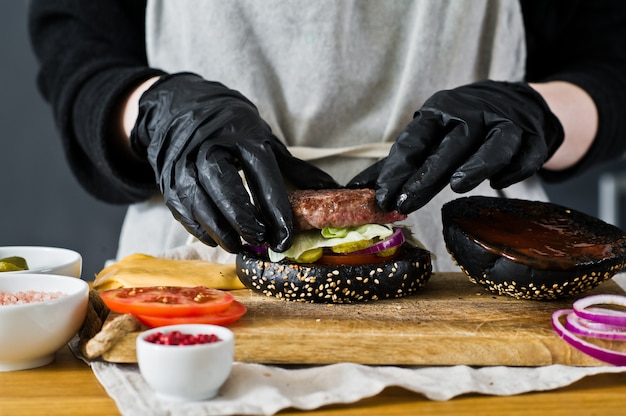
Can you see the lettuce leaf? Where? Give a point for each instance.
(330, 237)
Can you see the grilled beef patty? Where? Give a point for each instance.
(316, 209)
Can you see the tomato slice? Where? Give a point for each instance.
(353, 259)
(167, 300)
(234, 311)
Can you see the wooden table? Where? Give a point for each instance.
(68, 387)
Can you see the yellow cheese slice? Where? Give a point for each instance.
(139, 270)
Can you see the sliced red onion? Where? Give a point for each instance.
(584, 327)
(602, 354)
(602, 315)
(394, 240)
(257, 249)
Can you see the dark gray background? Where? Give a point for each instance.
(42, 204)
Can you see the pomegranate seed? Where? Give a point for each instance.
(178, 338)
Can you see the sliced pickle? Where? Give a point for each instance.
(350, 247)
(13, 264)
(310, 256)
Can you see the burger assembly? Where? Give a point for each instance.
(345, 249)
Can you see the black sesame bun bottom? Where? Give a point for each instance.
(402, 276)
(530, 249)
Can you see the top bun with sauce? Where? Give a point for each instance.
(530, 249)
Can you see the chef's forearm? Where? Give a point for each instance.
(125, 118)
(578, 115)
(130, 108)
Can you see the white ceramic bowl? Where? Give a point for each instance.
(31, 333)
(46, 260)
(186, 372)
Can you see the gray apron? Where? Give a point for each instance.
(336, 80)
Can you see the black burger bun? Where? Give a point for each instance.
(399, 277)
(530, 249)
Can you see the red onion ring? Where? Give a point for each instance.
(394, 240)
(257, 249)
(602, 354)
(584, 327)
(601, 315)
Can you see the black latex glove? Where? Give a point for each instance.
(492, 130)
(197, 135)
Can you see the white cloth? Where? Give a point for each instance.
(254, 389)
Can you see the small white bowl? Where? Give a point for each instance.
(45, 260)
(186, 372)
(31, 333)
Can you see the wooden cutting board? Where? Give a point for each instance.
(451, 321)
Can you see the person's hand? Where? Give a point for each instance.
(197, 135)
(499, 131)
